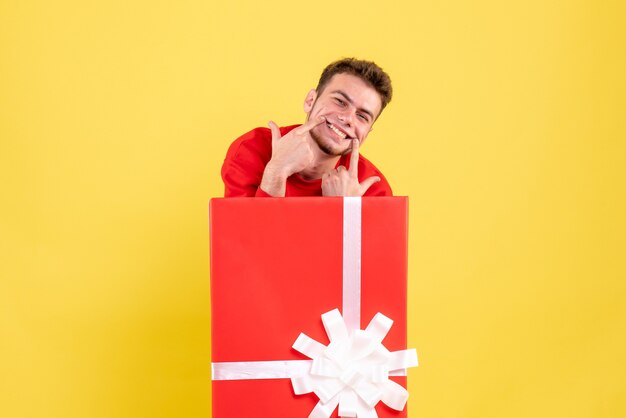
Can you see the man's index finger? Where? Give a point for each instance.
(354, 158)
(310, 124)
(275, 130)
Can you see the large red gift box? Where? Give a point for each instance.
(276, 266)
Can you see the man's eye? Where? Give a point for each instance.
(363, 117)
(340, 102)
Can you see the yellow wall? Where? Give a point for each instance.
(506, 130)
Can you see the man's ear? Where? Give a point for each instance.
(309, 100)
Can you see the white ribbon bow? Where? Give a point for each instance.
(352, 372)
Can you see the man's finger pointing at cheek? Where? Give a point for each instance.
(310, 124)
(354, 159)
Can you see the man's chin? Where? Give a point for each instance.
(328, 146)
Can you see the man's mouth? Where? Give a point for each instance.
(338, 131)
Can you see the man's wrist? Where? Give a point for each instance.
(274, 180)
(276, 171)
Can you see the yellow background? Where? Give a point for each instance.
(507, 131)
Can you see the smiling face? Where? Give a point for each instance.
(350, 107)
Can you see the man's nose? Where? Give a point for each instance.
(346, 116)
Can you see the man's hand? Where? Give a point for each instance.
(290, 154)
(345, 182)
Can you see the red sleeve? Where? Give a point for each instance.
(245, 162)
(261, 193)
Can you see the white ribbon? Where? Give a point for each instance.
(352, 262)
(353, 371)
(245, 370)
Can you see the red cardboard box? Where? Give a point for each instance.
(276, 266)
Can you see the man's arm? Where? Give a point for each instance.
(290, 154)
(244, 163)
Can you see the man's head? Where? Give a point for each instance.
(367, 71)
(350, 95)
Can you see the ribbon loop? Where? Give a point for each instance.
(335, 326)
(403, 359)
(308, 346)
(367, 412)
(347, 404)
(324, 410)
(302, 385)
(379, 326)
(394, 395)
(370, 393)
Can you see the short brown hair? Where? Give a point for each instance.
(368, 71)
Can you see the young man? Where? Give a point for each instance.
(320, 157)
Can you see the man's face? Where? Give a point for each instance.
(350, 107)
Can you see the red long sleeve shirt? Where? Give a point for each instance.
(247, 157)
